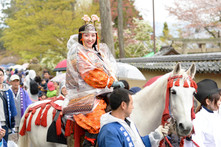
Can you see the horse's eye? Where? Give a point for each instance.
(173, 91)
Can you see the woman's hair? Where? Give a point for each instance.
(38, 79)
(81, 29)
(213, 98)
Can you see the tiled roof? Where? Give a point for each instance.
(205, 62)
(166, 50)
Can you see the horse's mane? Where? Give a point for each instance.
(160, 82)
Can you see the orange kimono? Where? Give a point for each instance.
(94, 73)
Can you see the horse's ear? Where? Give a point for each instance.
(177, 68)
(192, 71)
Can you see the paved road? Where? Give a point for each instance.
(13, 137)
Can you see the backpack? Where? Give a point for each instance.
(33, 87)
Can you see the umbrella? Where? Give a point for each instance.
(150, 81)
(128, 71)
(18, 67)
(61, 66)
(4, 66)
(59, 78)
(25, 65)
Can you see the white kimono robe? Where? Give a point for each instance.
(207, 126)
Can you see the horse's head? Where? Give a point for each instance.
(181, 93)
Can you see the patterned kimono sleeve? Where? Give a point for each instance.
(93, 75)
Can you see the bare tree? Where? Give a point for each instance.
(120, 29)
(106, 24)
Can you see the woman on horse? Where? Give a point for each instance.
(90, 73)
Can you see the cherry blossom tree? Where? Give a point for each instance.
(199, 15)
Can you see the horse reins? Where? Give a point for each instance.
(166, 113)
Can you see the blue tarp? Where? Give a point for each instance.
(149, 55)
(5, 66)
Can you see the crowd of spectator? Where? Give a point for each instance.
(18, 89)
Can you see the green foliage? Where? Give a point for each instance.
(166, 35)
(42, 28)
(10, 11)
(165, 29)
(138, 41)
(1, 42)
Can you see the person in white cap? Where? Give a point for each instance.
(21, 98)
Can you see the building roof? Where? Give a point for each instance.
(166, 50)
(205, 62)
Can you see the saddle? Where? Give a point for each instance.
(52, 131)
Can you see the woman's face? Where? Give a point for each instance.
(218, 103)
(64, 91)
(214, 107)
(89, 39)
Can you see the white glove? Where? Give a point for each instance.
(163, 130)
(156, 136)
(118, 84)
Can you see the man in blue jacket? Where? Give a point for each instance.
(117, 129)
(7, 106)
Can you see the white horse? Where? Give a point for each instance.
(149, 105)
(38, 134)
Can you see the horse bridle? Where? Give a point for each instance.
(166, 113)
(167, 117)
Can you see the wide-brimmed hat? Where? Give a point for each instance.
(205, 88)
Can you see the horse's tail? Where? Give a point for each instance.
(23, 140)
